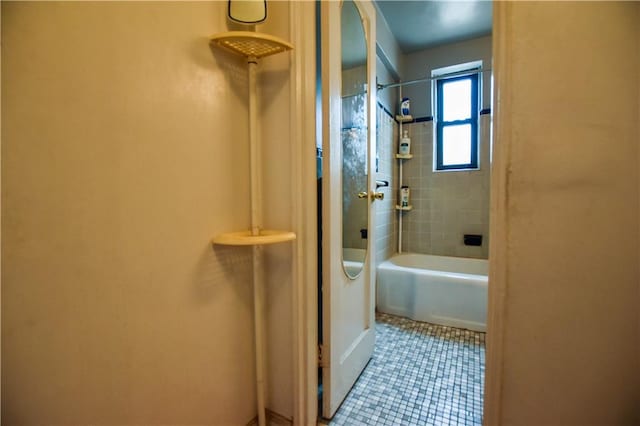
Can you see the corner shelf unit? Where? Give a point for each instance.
(404, 118)
(253, 46)
(246, 238)
(404, 156)
(401, 119)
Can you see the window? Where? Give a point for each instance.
(457, 123)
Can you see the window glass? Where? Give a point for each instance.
(456, 97)
(456, 145)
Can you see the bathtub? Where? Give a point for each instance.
(450, 291)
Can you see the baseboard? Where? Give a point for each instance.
(273, 418)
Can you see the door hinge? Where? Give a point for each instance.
(322, 362)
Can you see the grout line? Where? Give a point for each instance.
(420, 374)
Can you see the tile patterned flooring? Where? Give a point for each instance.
(420, 374)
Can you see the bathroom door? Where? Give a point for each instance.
(348, 219)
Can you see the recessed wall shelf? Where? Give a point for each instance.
(404, 118)
(404, 156)
(244, 238)
(404, 209)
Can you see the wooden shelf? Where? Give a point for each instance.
(404, 156)
(406, 209)
(404, 118)
(244, 238)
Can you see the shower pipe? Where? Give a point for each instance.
(421, 80)
(400, 173)
(426, 79)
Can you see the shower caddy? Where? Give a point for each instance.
(253, 46)
(401, 158)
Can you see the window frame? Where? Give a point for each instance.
(474, 76)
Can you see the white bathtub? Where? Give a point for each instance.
(449, 291)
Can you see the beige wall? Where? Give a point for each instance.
(568, 136)
(387, 97)
(124, 150)
(418, 65)
(387, 47)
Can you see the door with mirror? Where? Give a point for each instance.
(348, 81)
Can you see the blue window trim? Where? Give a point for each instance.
(473, 120)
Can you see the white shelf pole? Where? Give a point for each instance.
(258, 312)
(254, 149)
(400, 177)
(256, 218)
(400, 211)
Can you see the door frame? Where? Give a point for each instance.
(302, 91)
(498, 218)
(303, 177)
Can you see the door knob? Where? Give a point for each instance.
(374, 195)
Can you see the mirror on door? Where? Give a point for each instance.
(354, 134)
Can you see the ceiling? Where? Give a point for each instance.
(421, 24)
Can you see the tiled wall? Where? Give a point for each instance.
(386, 223)
(386, 138)
(446, 205)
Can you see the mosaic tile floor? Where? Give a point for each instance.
(420, 374)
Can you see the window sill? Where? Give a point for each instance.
(458, 170)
